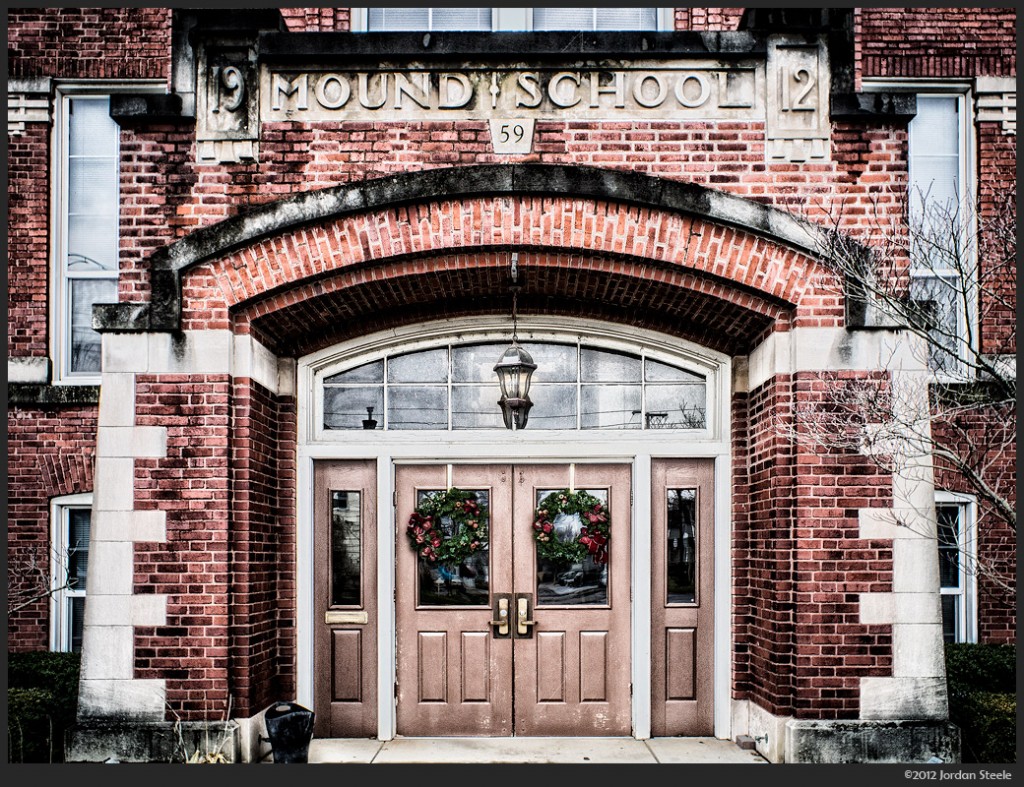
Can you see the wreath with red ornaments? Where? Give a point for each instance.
(592, 538)
(448, 527)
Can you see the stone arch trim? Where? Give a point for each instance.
(403, 215)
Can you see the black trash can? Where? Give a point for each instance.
(290, 729)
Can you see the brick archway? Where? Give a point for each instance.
(628, 248)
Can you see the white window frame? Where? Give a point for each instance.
(60, 623)
(968, 324)
(967, 617)
(60, 305)
(511, 19)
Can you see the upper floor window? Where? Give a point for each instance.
(86, 202)
(943, 276)
(454, 387)
(509, 19)
(72, 517)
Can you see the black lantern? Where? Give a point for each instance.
(514, 370)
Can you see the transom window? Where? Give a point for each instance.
(495, 18)
(576, 386)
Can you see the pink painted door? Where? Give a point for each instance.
(562, 664)
(682, 602)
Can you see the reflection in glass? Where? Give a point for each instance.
(556, 363)
(610, 407)
(426, 366)
(476, 407)
(681, 554)
(372, 372)
(346, 537)
(949, 545)
(676, 406)
(474, 363)
(574, 584)
(601, 366)
(417, 407)
(346, 407)
(464, 585)
(554, 406)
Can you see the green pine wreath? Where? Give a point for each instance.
(469, 527)
(593, 537)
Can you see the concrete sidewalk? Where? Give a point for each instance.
(529, 751)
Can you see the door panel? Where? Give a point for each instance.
(563, 668)
(682, 587)
(454, 678)
(345, 599)
(573, 678)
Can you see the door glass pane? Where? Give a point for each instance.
(466, 584)
(571, 584)
(346, 555)
(348, 408)
(418, 407)
(681, 551)
(610, 407)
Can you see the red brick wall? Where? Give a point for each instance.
(89, 43)
(50, 453)
(324, 20)
(798, 561)
(263, 602)
(936, 42)
(192, 485)
(997, 252)
(708, 19)
(28, 241)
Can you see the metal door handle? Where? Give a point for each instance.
(501, 622)
(523, 622)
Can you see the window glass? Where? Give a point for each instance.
(89, 239)
(70, 574)
(399, 19)
(573, 388)
(595, 19)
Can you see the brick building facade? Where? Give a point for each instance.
(239, 241)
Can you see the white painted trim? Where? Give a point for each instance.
(304, 582)
(641, 606)
(723, 597)
(387, 661)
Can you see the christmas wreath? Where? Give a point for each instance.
(447, 527)
(592, 538)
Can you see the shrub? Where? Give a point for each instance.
(982, 681)
(42, 699)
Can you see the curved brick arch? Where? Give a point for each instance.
(470, 210)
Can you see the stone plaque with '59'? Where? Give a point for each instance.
(651, 91)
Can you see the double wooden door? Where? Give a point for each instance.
(508, 643)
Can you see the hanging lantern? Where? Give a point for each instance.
(514, 370)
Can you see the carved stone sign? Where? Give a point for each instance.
(703, 91)
(788, 91)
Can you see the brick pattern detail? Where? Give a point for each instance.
(89, 43)
(317, 20)
(50, 454)
(28, 241)
(708, 19)
(798, 561)
(192, 485)
(263, 592)
(997, 167)
(936, 42)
